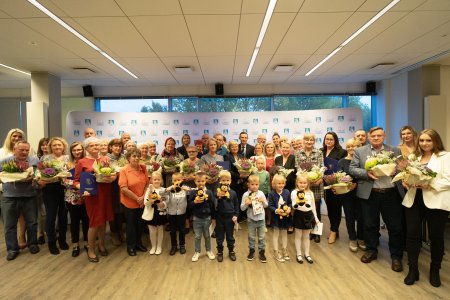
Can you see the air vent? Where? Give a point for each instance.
(283, 68)
(183, 70)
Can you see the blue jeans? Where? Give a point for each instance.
(224, 228)
(201, 226)
(11, 208)
(256, 228)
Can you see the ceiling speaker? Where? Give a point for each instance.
(219, 89)
(87, 91)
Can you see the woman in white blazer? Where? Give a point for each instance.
(430, 202)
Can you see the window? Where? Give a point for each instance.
(306, 102)
(365, 104)
(234, 104)
(184, 104)
(134, 105)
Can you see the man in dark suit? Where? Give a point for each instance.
(244, 148)
(379, 195)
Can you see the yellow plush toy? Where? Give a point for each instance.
(201, 196)
(223, 190)
(283, 210)
(300, 201)
(155, 198)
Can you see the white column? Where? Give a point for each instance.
(44, 110)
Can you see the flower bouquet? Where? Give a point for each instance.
(381, 164)
(51, 171)
(212, 171)
(413, 172)
(15, 171)
(187, 168)
(280, 171)
(245, 167)
(340, 182)
(153, 166)
(313, 172)
(170, 164)
(119, 164)
(103, 171)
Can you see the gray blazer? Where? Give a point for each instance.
(357, 171)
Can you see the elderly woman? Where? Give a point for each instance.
(333, 150)
(305, 159)
(259, 153)
(269, 155)
(133, 182)
(104, 147)
(169, 154)
(99, 206)
(75, 204)
(188, 179)
(129, 145)
(211, 158)
(152, 150)
(53, 195)
(408, 138)
(428, 202)
(118, 159)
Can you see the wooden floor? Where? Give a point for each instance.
(336, 273)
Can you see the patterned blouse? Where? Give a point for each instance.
(315, 158)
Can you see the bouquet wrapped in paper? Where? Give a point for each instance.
(103, 171)
(170, 164)
(340, 182)
(15, 171)
(52, 171)
(245, 166)
(212, 171)
(280, 171)
(312, 172)
(152, 167)
(187, 168)
(413, 172)
(381, 164)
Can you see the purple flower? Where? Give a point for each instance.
(49, 172)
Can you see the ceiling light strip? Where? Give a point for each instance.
(78, 35)
(262, 33)
(355, 34)
(14, 69)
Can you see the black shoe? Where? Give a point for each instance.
(251, 255)
(232, 255)
(262, 257)
(182, 249)
(413, 275)
(186, 230)
(220, 257)
(63, 245)
(131, 252)
(317, 238)
(12, 255)
(213, 235)
(173, 250)
(435, 279)
(41, 240)
(75, 251)
(141, 248)
(53, 248)
(290, 230)
(104, 252)
(34, 249)
(311, 236)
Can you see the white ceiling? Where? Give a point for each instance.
(216, 38)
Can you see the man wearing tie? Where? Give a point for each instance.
(244, 148)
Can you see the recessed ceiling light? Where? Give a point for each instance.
(283, 68)
(183, 70)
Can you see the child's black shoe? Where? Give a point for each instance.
(220, 257)
(232, 255)
(182, 249)
(262, 256)
(251, 255)
(173, 250)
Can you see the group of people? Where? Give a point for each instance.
(155, 189)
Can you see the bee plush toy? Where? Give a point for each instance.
(300, 201)
(201, 196)
(283, 209)
(155, 198)
(177, 187)
(223, 192)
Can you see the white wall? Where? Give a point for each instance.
(74, 104)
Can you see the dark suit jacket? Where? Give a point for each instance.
(290, 164)
(335, 154)
(182, 151)
(249, 150)
(236, 184)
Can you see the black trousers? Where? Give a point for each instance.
(55, 206)
(334, 208)
(391, 209)
(177, 225)
(78, 214)
(224, 229)
(436, 219)
(353, 214)
(133, 219)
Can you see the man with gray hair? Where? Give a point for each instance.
(20, 197)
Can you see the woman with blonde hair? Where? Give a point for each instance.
(408, 138)
(53, 195)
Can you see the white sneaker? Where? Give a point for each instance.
(158, 251)
(353, 245)
(277, 255)
(196, 256)
(152, 251)
(210, 255)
